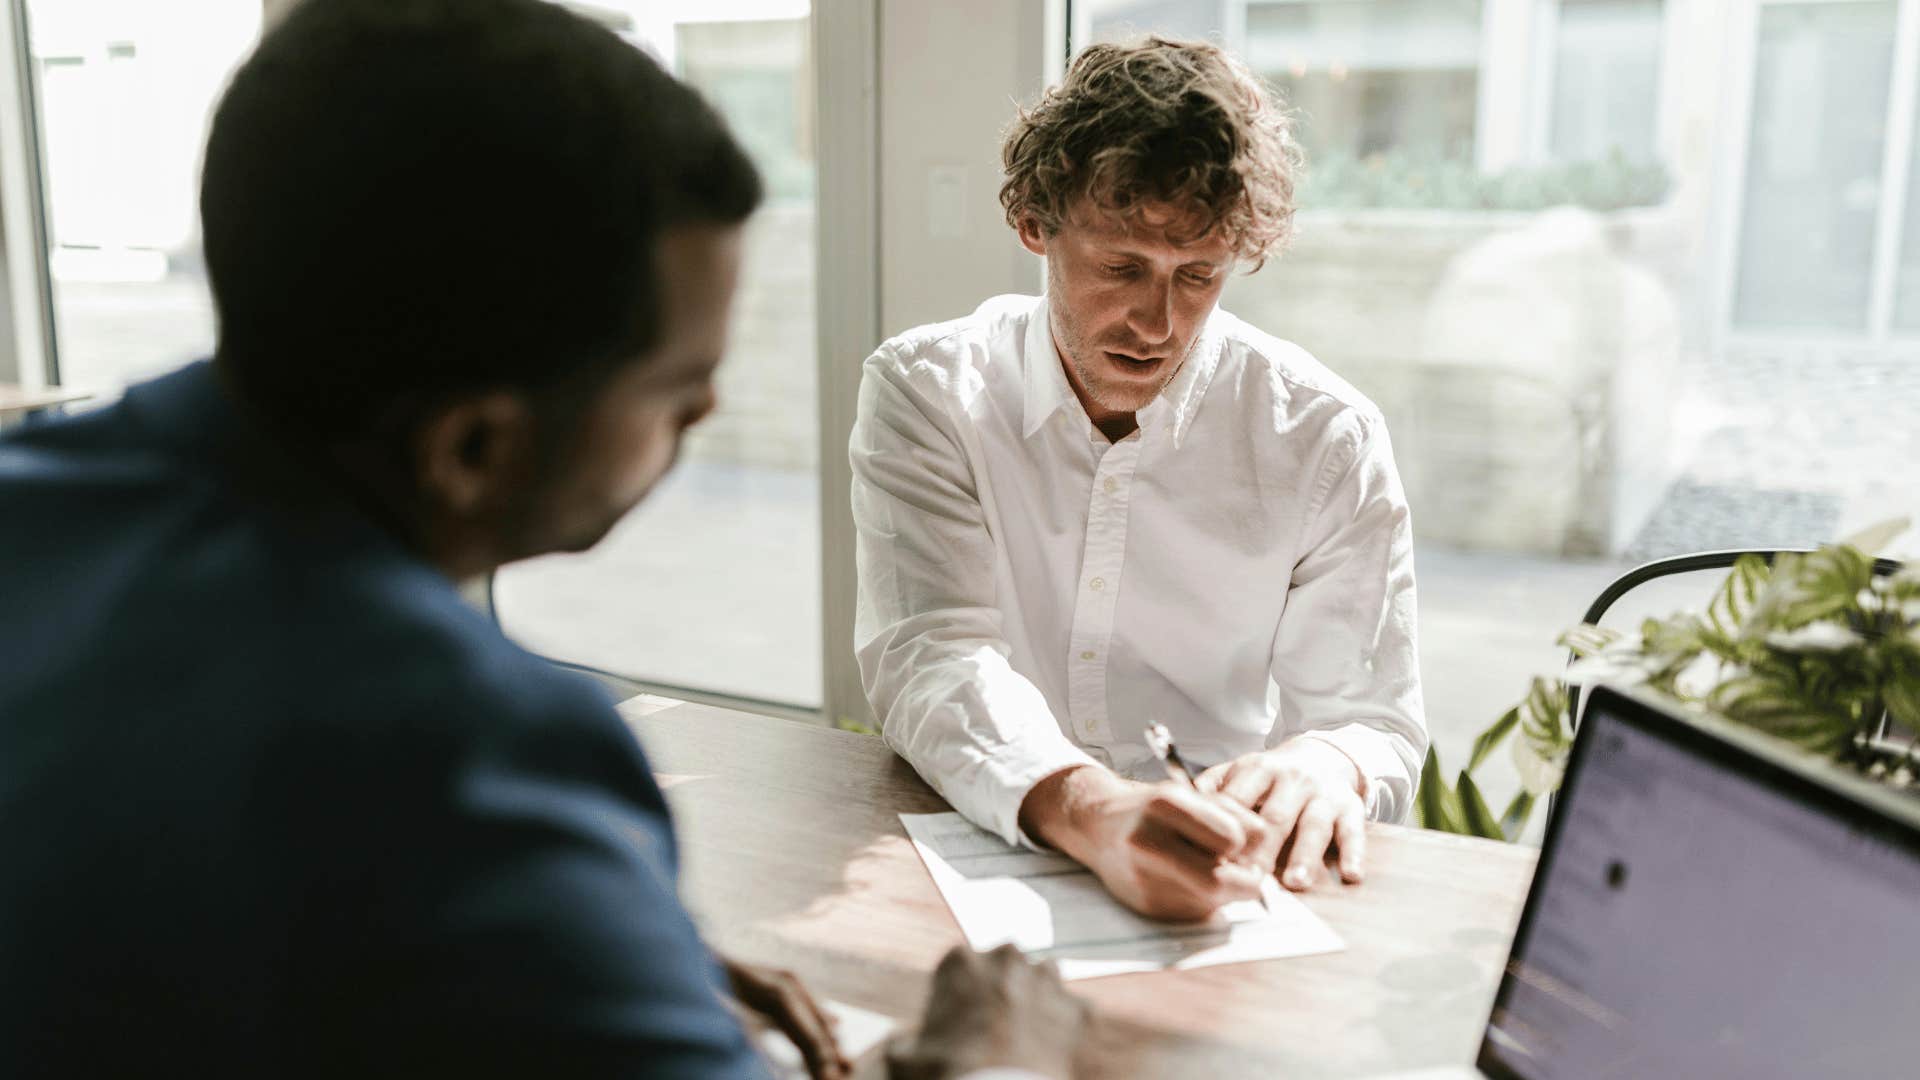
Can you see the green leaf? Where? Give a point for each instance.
(1543, 717)
(1514, 821)
(1587, 639)
(1902, 697)
(1739, 594)
(1492, 737)
(1475, 814)
(1874, 539)
(1817, 721)
(1438, 804)
(1807, 588)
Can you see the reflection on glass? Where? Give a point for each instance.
(1813, 166)
(1387, 77)
(1539, 338)
(1606, 79)
(714, 582)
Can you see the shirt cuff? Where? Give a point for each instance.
(1371, 752)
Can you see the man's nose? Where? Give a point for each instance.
(1151, 314)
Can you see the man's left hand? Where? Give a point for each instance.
(780, 999)
(1309, 792)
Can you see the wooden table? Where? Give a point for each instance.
(793, 857)
(18, 401)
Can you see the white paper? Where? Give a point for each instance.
(858, 1032)
(1050, 906)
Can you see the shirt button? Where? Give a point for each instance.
(1087, 655)
(1097, 584)
(1111, 485)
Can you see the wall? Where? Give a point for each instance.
(949, 77)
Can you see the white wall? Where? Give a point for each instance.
(950, 75)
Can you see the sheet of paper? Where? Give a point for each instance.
(859, 1032)
(1051, 906)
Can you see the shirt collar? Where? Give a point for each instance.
(1047, 389)
(194, 413)
(1180, 401)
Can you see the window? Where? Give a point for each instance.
(713, 584)
(1545, 332)
(1606, 79)
(1906, 318)
(125, 93)
(1814, 166)
(1395, 79)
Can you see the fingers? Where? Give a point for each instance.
(810, 1028)
(1312, 833)
(1221, 828)
(1281, 812)
(1209, 782)
(1249, 782)
(994, 1008)
(1180, 881)
(1350, 833)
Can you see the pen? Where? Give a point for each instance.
(1160, 741)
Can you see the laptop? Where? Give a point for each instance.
(1711, 904)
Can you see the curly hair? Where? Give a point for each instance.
(1175, 122)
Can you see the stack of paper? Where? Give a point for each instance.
(1050, 906)
(856, 1030)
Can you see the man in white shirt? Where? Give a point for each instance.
(1117, 504)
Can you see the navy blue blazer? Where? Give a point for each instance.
(274, 800)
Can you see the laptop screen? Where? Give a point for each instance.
(1702, 913)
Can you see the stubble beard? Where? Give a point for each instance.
(1086, 361)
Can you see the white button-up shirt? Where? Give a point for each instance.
(1032, 596)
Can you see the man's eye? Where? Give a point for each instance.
(1119, 269)
(1200, 278)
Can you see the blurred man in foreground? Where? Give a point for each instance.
(273, 800)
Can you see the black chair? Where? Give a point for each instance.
(1670, 566)
(1687, 564)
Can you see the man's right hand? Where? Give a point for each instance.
(1164, 850)
(993, 1010)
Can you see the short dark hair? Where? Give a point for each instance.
(404, 200)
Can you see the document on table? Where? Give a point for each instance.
(1050, 906)
(856, 1030)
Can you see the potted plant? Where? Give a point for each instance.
(1814, 648)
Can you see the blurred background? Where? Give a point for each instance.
(1628, 278)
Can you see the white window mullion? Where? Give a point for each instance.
(1545, 36)
(1502, 123)
(27, 359)
(1736, 133)
(1895, 169)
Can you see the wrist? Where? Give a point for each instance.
(1061, 810)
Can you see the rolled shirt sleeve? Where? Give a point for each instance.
(1345, 658)
(928, 629)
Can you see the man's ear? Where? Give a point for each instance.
(475, 450)
(1032, 236)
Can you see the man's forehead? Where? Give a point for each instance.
(1156, 224)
